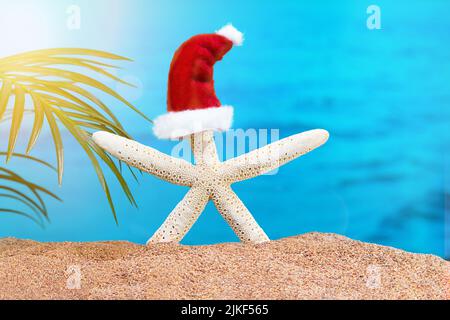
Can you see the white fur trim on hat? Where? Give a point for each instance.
(232, 34)
(174, 125)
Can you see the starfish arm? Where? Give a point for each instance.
(272, 156)
(237, 215)
(147, 159)
(182, 217)
(204, 147)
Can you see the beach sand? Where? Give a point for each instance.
(310, 266)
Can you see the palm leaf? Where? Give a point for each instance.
(22, 213)
(5, 93)
(62, 51)
(38, 123)
(28, 157)
(11, 184)
(17, 116)
(57, 140)
(57, 83)
(85, 141)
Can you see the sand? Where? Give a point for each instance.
(311, 266)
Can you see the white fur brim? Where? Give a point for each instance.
(232, 34)
(174, 125)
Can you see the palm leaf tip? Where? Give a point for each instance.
(11, 185)
(18, 111)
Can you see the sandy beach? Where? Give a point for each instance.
(310, 266)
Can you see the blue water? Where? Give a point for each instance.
(384, 96)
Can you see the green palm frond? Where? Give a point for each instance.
(24, 192)
(60, 97)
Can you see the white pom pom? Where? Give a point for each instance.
(232, 34)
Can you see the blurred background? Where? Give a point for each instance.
(384, 96)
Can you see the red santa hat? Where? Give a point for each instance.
(192, 103)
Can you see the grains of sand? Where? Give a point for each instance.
(311, 266)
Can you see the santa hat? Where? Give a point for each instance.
(192, 103)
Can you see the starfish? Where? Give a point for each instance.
(209, 178)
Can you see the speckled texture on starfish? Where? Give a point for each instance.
(209, 178)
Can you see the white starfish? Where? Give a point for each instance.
(210, 179)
